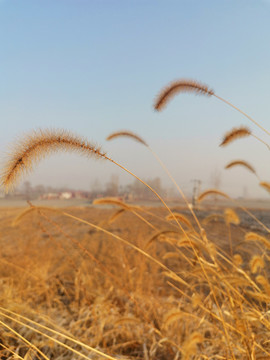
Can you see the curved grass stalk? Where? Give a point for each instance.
(12, 352)
(177, 187)
(184, 85)
(214, 191)
(229, 326)
(259, 139)
(151, 189)
(38, 144)
(174, 275)
(164, 267)
(245, 114)
(93, 258)
(29, 210)
(237, 133)
(143, 142)
(32, 346)
(244, 164)
(144, 220)
(20, 268)
(136, 248)
(124, 207)
(60, 342)
(67, 337)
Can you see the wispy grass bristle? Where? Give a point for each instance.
(145, 288)
(190, 345)
(237, 259)
(182, 218)
(213, 217)
(209, 192)
(126, 133)
(231, 217)
(114, 201)
(241, 163)
(256, 263)
(265, 185)
(38, 144)
(31, 209)
(234, 134)
(252, 236)
(180, 86)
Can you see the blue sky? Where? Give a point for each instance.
(95, 66)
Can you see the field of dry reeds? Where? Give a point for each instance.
(122, 281)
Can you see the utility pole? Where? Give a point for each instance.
(196, 190)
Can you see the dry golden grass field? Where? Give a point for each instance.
(123, 281)
(70, 290)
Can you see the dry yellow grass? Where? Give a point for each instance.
(265, 185)
(76, 283)
(241, 163)
(209, 192)
(126, 133)
(231, 217)
(77, 286)
(256, 263)
(234, 134)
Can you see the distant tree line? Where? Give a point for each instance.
(133, 191)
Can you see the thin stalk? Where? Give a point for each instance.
(230, 239)
(127, 243)
(60, 342)
(150, 188)
(263, 142)
(31, 346)
(219, 319)
(243, 113)
(177, 186)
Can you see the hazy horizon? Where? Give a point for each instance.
(96, 67)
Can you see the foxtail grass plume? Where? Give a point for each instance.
(182, 218)
(206, 193)
(265, 185)
(33, 209)
(190, 345)
(213, 217)
(234, 134)
(36, 145)
(184, 85)
(180, 86)
(241, 163)
(127, 133)
(39, 143)
(112, 201)
(173, 316)
(160, 234)
(231, 217)
(260, 279)
(237, 259)
(252, 236)
(256, 263)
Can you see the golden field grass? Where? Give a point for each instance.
(66, 286)
(132, 282)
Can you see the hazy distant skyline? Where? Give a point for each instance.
(95, 67)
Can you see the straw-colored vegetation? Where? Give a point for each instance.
(241, 163)
(235, 134)
(122, 281)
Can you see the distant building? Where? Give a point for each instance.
(66, 195)
(50, 196)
